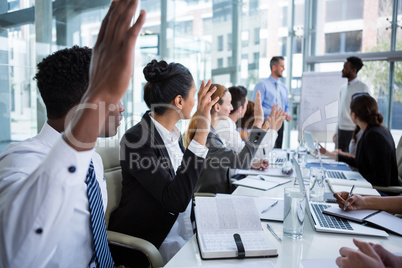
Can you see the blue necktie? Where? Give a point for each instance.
(100, 244)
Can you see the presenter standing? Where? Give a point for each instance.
(273, 91)
(345, 124)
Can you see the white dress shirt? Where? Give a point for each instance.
(182, 229)
(345, 97)
(43, 203)
(231, 137)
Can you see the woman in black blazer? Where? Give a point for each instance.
(375, 154)
(159, 175)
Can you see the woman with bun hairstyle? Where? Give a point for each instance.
(375, 154)
(215, 177)
(159, 175)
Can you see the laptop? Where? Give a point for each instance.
(330, 224)
(333, 174)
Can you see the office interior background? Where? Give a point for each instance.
(229, 41)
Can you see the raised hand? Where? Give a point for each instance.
(276, 117)
(203, 113)
(113, 55)
(110, 72)
(258, 112)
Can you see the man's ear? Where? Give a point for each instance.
(178, 102)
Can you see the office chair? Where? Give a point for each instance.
(395, 189)
(111, 163)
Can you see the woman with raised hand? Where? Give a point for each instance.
(215, 177)
(375, 154)
(159, 175)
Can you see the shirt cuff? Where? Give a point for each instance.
(198, 149)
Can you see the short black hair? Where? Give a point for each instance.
(356, 63)
(275, 60)
(63, 78)
(165, 82)
(239, 96)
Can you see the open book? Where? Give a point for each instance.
(379, 218)
(361, 187)
(231, 228)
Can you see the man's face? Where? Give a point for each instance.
(347, 70)
(112, 121)
(279, 68)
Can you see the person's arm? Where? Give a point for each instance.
(391, 204)
(39, 208)
(152, 172)
(261, 87)
(368, 255)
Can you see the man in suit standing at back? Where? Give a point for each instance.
(273, 91)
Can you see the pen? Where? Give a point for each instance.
(271, 206)
(273, 233)
(350, 194)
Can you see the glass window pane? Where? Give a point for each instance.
(399, 30)
(361, 24)
(396, 118)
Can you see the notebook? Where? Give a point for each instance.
(378, 218)
(361, 187)
(230, 228)
(326, 223)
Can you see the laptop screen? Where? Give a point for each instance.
(309, 140)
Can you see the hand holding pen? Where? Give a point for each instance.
(354, 202)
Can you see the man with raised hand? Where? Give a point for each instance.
(39, 205)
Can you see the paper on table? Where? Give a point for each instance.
(277, 172)
(275, 213)
(362, 184)
(255, 264)
(265, 184)
(356, 190)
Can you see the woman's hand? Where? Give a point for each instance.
(203, 114)
(261, 164)
(355, 202)
(258, 112)
(276, 118)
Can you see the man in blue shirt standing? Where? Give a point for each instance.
(273, 91)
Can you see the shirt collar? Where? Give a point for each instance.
(48, 135)
(166, 135)
(273, 80)
(354, 81)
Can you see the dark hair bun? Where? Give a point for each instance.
(157, 71)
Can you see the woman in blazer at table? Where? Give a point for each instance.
(215, 176)
(159, 175)
(375, 154)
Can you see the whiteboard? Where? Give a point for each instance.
(319, 103)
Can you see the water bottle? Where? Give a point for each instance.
(317, 187)
(302, 154)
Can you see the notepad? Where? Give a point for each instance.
(218, 219)
(361, 187)
(380, 219)
(261, 182)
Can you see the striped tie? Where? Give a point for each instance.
(100, 245)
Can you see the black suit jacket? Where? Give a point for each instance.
(152, 195)
(375, 157)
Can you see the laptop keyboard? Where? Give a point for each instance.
(336, 174)
(329, 221)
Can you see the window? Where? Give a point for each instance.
(220, 43)
(256, 36)
(220, 63)
(229, 41)
(338, 10)
(244, 38)
(343, 42)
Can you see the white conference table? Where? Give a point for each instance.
(313, 245)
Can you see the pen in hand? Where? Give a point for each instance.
(349, 195)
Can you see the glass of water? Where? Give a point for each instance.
(317, 187)
(294, 212)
